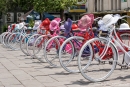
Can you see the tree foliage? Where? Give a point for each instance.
(38, 5)
(24, 4)
(52, 5)
(7, 5)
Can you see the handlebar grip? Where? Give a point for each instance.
(125, 16)
(62, 21)
(97, 18)
(75, 21)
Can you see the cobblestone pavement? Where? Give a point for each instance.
(18, 70)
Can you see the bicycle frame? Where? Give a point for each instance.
(117, 41)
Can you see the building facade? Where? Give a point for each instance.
(107, 5)
(102, 7)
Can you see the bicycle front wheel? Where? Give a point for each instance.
(101, 61)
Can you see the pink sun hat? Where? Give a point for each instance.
(85, 22)
(54, 24)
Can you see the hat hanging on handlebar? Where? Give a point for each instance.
(86, 21)
(21, 25)
(54, 24)
(16, 27)
(124, 26)
(68, 25)
(45, 23)
(36, 25)
(75, 27)
(110, 19)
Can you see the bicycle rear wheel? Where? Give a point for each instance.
(51, 51)
(38, 47)
(68, 53)
(6, 40)
(23, 44)
(15, 40)
(101, 62)
(125, 39)
(30, 44)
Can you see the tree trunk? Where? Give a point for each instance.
(62, 14)
(41, 15)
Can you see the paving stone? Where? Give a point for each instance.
(6, 75)
(63, 75)
(32, 83)
(9, 81)
(45, 79)
(14, 86)
(17, 70)
(70, 78)
(31, 69)
(8, 64)
(1, 83)
(21, 75)
(56, 84)
(36, 73)
(3, 70)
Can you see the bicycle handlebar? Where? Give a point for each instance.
(72, 21)
(62, 22)
(125, 16)
(75, 21)
(97, 18)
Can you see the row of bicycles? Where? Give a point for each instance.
(76, 46)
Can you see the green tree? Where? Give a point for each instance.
(7, 5)
(24, 4)
(53, 5)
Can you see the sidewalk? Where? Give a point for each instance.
(18, 70)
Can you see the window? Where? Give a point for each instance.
(95, 5)
(123, 0)
(111, 4)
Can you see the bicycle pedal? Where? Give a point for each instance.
(110, 62)
(124, 67)
(103, 62)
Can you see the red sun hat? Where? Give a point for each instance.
(74, 27)
(45, 23)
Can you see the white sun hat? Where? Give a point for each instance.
(21, 25)
(36, 25)
(124, 26)
(110, 19)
